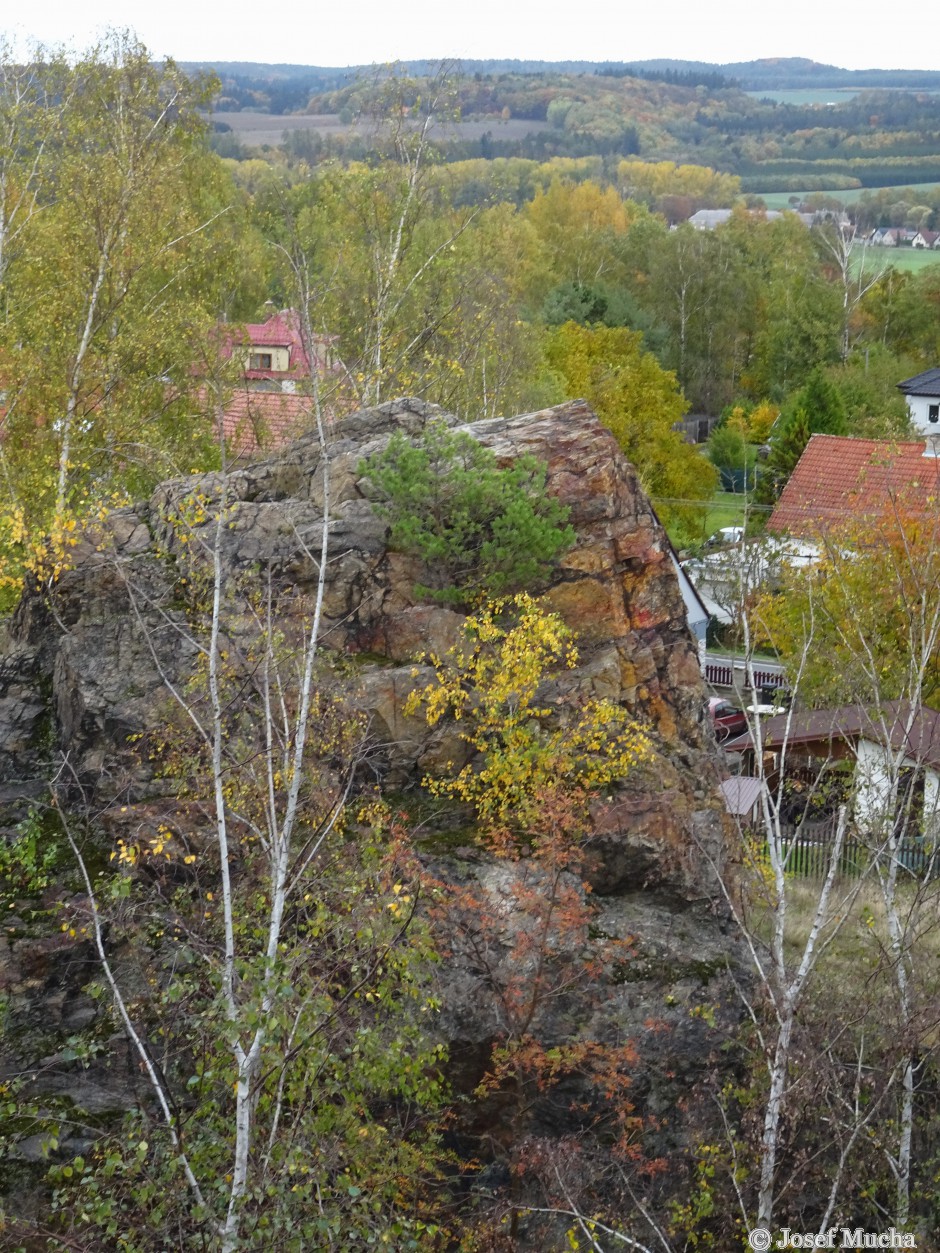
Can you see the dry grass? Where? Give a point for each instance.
(855, 949)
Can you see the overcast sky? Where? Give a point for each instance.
(858, 36)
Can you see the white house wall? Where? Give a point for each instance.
(931, 805)
(918, 407)
(280, 357)
(872, 787)
(874, 802)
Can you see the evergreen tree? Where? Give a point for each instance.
(785, 452)
(822, 406)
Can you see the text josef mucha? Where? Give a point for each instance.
(835, 1238)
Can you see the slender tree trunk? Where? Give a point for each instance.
(900, 955)
(281, 826)
(75, 377)
(770, 1140)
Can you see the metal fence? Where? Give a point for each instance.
(808, 848)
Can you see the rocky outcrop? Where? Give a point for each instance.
(86, 671)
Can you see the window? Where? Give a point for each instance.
(259, 361)
(933, 413)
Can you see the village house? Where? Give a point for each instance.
(273, 354)
(272, 401)
(923, 400)
(840, 482)
(886, 758)
(893, 236)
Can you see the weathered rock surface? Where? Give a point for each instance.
(84, 673)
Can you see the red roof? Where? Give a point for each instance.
(282, 330)
(260, 416)
(840, 480)
(262, 421)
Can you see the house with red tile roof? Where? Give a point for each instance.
(256, 421)
(840, 481)
(273, 354)
(272, 403)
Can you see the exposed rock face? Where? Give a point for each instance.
(83, 674)
(88, 671)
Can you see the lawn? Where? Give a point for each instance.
(859, 914)
(730, 509)
(914, 259)
(724, 509)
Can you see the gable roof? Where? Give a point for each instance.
(925, 384)
(839, 480)
(741, 794)
(281, 330)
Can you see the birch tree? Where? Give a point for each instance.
(844, 1012)
(855, 273)
(877, 598)
(122, 258)
(421, 304)
(283, 1026)
(784, 975)
(369, 230)
(34, 99)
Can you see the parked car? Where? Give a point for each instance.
(725, 536)
(775, 694)
(726, 719)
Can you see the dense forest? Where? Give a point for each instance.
(258, 893)
(777, 72)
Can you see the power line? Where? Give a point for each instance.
(709, 504)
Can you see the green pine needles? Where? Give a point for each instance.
(480, 530)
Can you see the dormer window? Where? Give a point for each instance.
(933, 413)
(262, 361)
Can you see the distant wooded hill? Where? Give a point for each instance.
(287, 88)
(781, 73)
(687, 113)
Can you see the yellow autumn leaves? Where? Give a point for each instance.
(531, 739)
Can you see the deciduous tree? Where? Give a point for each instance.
(640, 403)
(522, 921)
(118, 275)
